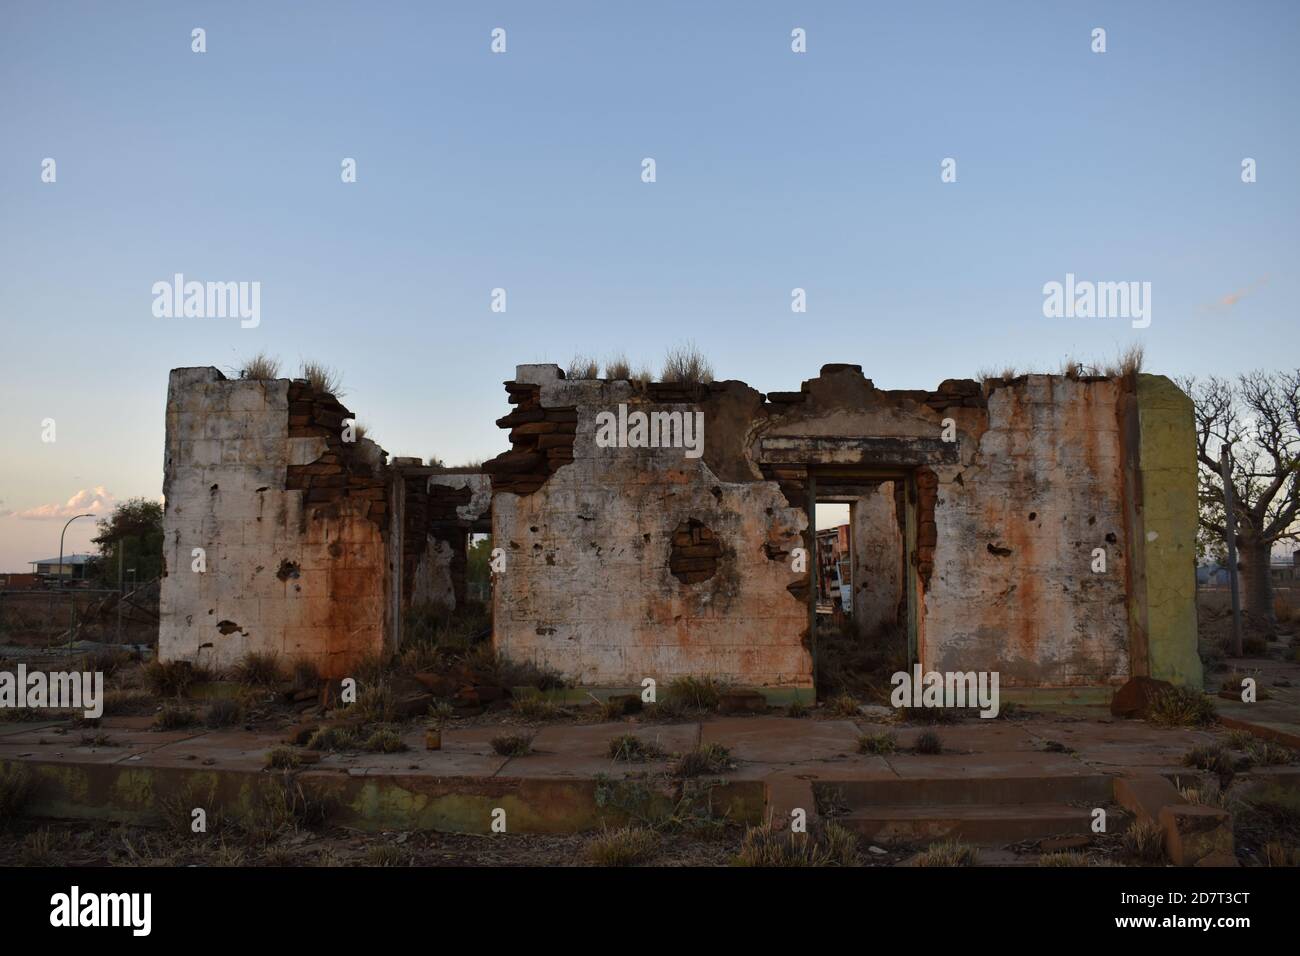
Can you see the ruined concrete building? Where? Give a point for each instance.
(1041, 527)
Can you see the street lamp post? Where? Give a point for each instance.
(72, 620)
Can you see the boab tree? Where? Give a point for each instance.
(1258, 418)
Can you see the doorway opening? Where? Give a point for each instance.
(863, 598)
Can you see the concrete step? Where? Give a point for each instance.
(1095, 789)
(981, 824)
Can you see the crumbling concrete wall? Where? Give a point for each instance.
(589, 587)
(1014, 588)
(1169, 514)
(291, 521)
(877, 572)
(1007, 514)
(1011, 490)
(453, 505)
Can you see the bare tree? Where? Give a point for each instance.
(1258, 419)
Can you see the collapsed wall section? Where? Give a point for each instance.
(624, 563)
(289, 522)
(1019, 585)
(442, 509)
(1007, 514)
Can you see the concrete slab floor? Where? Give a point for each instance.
(759, 746)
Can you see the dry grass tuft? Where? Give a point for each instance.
(884, 743)
(1180, 707)
(705, 759)
(929, 743)
(687, 365)
(690, 694)
(260, 368)
(512, 745)
(625, 846)
(833, 845)
(1145, 841)
(1127, 362)
(617, 368)
(633, 749)
(582, 367)
(260, 670)
(948, 853)
(322, 378)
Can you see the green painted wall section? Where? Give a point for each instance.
(1169, 515)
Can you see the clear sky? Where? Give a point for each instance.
(522, 170)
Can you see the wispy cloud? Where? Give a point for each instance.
(97, 500)
(1232, 298)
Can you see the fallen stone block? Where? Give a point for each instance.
(1194, 833)
(1135, 698)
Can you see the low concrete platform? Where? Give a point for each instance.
(994, 781)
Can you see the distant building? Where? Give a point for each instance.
(21, 581)
(1284, 573)
(73, 568)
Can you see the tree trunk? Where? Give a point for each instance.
(1256, 584)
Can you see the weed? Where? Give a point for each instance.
(1266, 753)
(1279, 854)
(582, 367)
(387, 855)
(15, 790)
(833, 845)
(260, 670)
(633, 749)
(843, 705)
(375, 703)
(536, 707)
(322, 378)
(174, 717)
(383, 742)
(618, 369)
(1145, 842)
(173, 678)
(694, 693)
(283, 758)
(686, 365)
(929, 743)
(261, 367)
(223, 712)
(705, 759)
(1180, 707)
(882, 743)
(512, 745)
(1214, 758)
(177, 811)
(625, 846)
(948, 853)
(333, 738)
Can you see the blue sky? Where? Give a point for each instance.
(775, 170)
